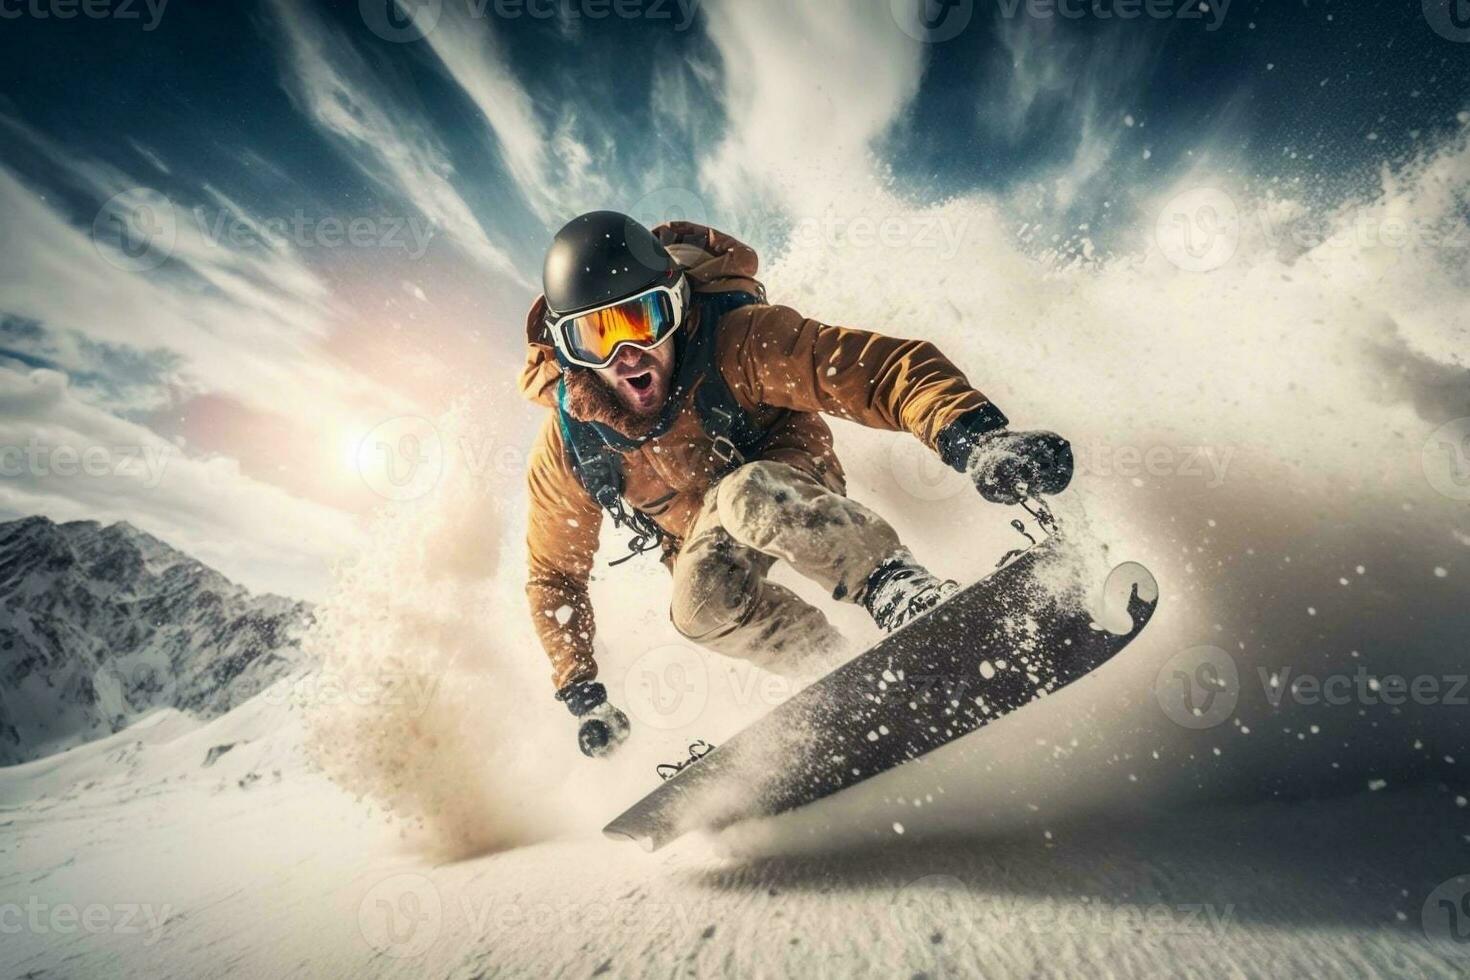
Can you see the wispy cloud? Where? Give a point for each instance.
(801, 124)
(245, 321)
(382, 136)
(550, 167)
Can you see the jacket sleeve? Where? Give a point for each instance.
(561, 543)
(775, 356)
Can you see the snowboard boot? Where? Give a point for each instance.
(901, 590)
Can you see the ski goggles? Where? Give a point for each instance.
(592, 337)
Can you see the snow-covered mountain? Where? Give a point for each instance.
(101, 625)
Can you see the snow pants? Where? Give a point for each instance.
(761, 512)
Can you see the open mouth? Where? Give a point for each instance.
(641, 382)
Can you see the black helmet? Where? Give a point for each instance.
(601, 257)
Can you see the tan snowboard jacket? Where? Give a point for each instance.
(782, 367)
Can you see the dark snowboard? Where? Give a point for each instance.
(996, 646)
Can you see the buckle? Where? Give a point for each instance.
(727, 452)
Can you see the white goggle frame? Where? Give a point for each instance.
(678, 296)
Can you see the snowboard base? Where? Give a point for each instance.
(993, 648)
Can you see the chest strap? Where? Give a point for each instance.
(596, 451)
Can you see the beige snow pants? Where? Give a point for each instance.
(761, 512)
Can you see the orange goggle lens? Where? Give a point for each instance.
(593, 338)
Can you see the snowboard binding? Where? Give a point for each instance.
(1038, 509)
(698, 749)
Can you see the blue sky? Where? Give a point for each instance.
(352, 218)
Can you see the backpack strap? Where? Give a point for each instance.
(599, 468)
(596, 451)
(735, 435)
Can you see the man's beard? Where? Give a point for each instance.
(590, 399)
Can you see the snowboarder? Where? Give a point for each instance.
(686, 408)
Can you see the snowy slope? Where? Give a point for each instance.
(102, 625)
(253, 866)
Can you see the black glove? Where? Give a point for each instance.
(1010, 466)
(1002, 462)
(603, 728)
